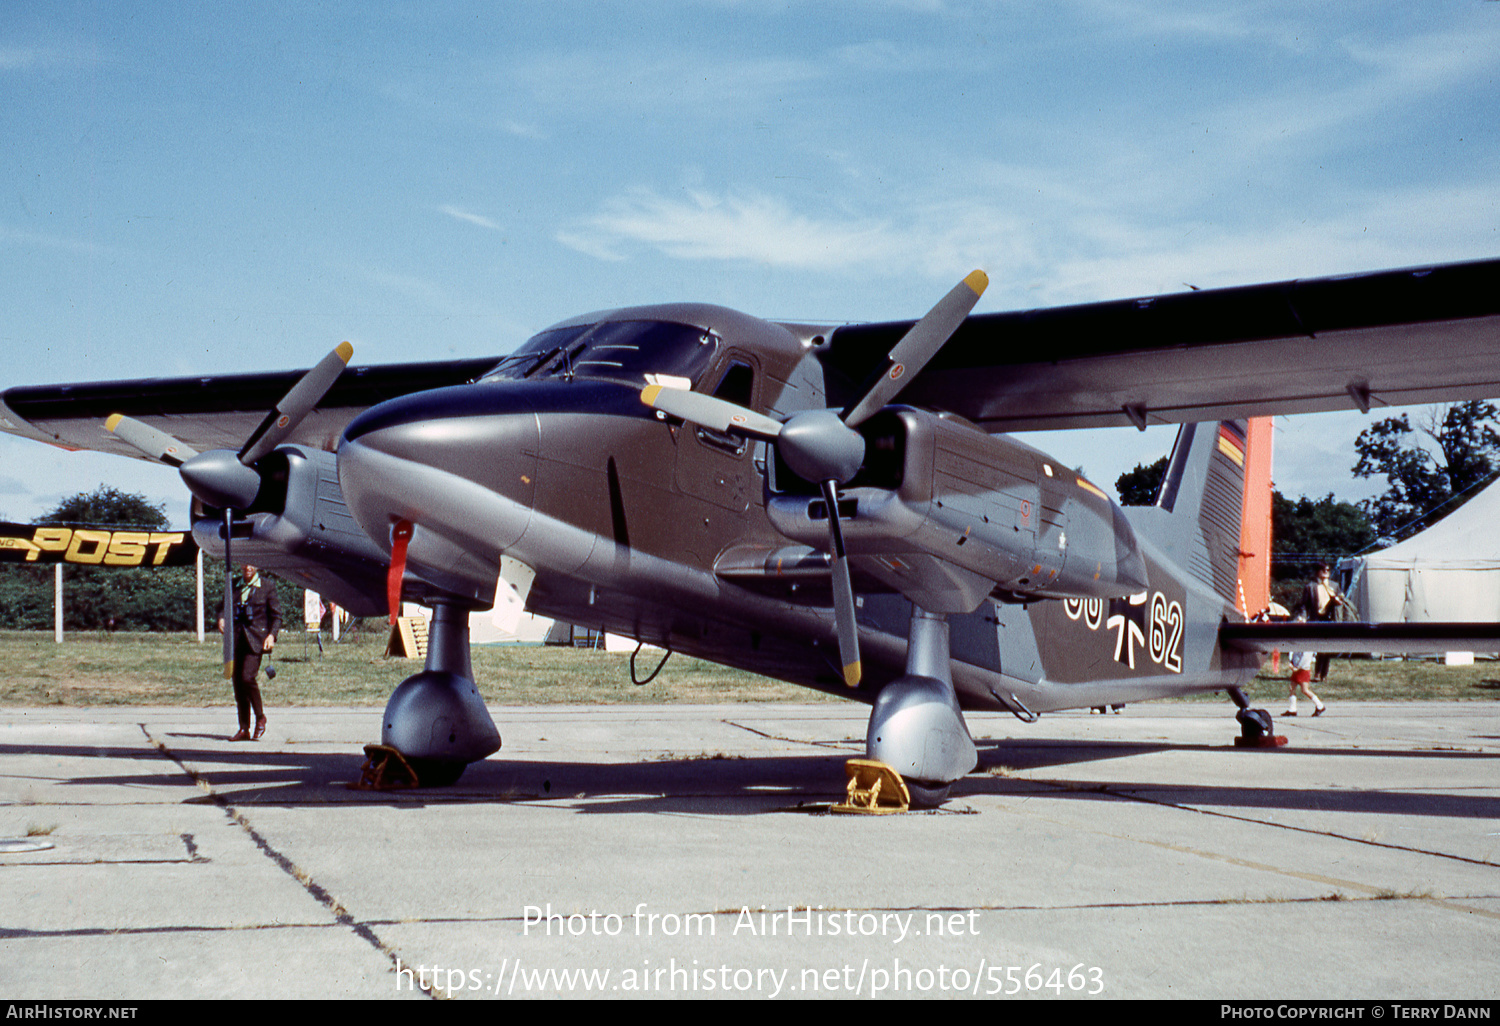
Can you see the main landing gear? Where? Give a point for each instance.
(916, 726)
(1257, 729)
(436, 719)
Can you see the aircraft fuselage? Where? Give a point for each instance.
(645, 526)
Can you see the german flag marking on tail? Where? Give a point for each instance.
(1232, 444)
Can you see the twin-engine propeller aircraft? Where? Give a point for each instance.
(832, 506)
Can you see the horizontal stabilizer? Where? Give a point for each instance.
(1374, 638)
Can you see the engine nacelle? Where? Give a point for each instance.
(299, 528)
(947, 514)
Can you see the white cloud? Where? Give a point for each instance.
(44, 240)
(592, 243)
(522, 130)
(1048, 244)
(755, 228)
(469, 216)
(1355, 89)
(941, 240)
(14, 58)
(678, 81)
(426, 294)
(69, 54)
(28, 58)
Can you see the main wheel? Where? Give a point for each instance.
(927, 796)
(437, 772)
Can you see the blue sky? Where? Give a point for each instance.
(211, 188)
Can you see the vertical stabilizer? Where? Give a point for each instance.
(1203, 497)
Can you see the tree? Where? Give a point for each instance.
(1307, 532)
(1138, 487)
(1427, 481)
(107, 505)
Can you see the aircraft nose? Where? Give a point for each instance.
(406, 458)
(436, 413)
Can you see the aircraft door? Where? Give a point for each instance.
(719, 467)
(1052, 522)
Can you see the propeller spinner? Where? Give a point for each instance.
(227, 479)
(822, 445)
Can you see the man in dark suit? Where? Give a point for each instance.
(257, 621)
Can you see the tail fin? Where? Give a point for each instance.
(1204, 493)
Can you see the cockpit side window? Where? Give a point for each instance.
(624, 351)
(736, 385)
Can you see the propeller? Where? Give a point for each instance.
(228, 479)
(822, 445)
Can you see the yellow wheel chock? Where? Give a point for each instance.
(385, 769)
(874, 789)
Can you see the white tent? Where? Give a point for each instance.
(1447, 573)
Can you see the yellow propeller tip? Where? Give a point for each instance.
(978, 281)
(114, 421)
(345, 350)
(649, 394)
(852, 675)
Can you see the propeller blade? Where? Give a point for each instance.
(296, 404)
(154, 443)
(921, 344)
(229, 618)
(709, 412)
(843, 591)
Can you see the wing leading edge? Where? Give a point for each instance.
(216, 412)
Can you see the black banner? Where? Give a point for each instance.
(96, 545)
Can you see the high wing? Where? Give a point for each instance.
(213, 412)
(1388, 338)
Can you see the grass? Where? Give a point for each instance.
(175, 669)
(1385, 680)
(91, 668)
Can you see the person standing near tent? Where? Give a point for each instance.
(1321, 601)
(257, 620)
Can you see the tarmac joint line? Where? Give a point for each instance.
(316, 891)
(1371, 893)
(839, 745)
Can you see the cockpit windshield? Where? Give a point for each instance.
(625, 351)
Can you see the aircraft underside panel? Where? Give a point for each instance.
(998, 661)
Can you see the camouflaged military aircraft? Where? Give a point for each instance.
(834, 506)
